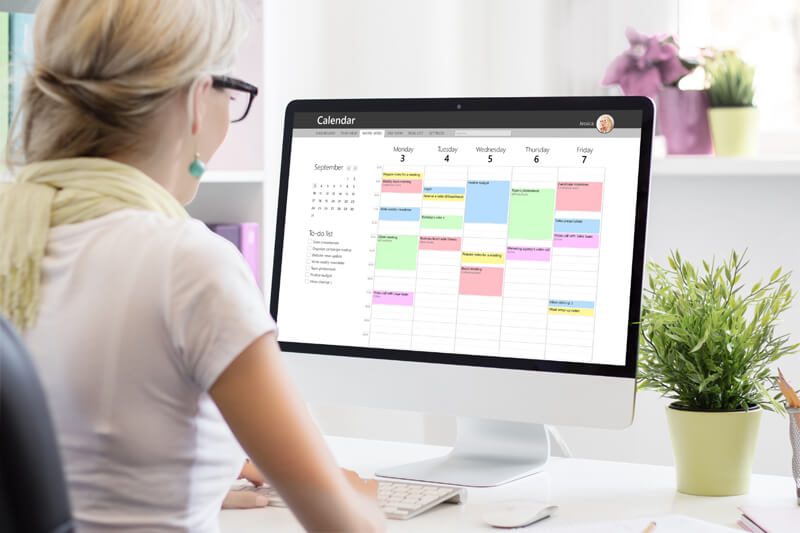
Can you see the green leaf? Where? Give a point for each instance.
(701, 342)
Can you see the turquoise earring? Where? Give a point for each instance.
(197, 168)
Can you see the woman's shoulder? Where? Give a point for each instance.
(185, 241)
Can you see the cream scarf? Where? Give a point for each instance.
(52, 193)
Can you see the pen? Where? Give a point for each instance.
(650, 528)
(788, 393)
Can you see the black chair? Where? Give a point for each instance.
(33, 494)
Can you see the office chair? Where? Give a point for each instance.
(33, 493)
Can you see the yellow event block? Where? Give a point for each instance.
(402, 175)
(444, 197)
(483, 258)
(571, 311)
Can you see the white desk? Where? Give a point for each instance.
(585, 491)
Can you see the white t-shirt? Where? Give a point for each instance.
(140, 314)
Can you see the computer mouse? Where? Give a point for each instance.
(518, 513)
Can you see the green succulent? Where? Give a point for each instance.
(707, 343)
(730, 80)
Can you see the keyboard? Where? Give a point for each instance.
(398, 500)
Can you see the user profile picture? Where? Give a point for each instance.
(605, 123)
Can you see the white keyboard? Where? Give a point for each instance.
(398, 500)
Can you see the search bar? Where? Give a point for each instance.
(483, 133)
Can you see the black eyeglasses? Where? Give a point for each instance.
(240, 106)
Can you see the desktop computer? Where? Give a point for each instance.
(481, 258)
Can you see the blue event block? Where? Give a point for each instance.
(576, 225)
(487, 202)
(575, 304)
(404, 214)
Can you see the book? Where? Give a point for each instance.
(20, 44)
(246, 237)
(664, 524)
(5, 119)
(770, 519)
(250, 247)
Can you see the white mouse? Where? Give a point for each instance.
(519, 513)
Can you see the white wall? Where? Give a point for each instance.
(421, 48)
(430, 48)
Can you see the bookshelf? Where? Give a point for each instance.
(233, 190)
(233, 176)
(20, 6)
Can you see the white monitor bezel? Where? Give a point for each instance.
(582, 394)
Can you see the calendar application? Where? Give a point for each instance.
(507, 235)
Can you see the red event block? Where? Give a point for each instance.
(441, 244)
(579, 196)
(412, 186)
(481, 281)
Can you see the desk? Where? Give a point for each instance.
(585, 490)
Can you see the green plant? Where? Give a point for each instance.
(730, 80)
(706, 343)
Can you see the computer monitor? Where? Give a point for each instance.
(472, 257)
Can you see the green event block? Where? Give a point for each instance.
(441, 221)
(531, 213)
(396, 252)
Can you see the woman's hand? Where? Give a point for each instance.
(252, 474)
(365, 487)
(246, 499)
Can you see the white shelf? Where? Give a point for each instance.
(713, 166)
(233, 176)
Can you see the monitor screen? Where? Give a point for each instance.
(493, 232)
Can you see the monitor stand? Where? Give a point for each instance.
(487, 453)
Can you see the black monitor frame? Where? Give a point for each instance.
(604, 104)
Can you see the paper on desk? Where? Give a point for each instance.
(773, 519)
(664, 524)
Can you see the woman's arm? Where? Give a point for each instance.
(266, 414)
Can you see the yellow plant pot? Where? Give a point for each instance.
(713, 450)
(734, 130)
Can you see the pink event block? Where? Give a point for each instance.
(441, 244)
(527, 253)
(410, 186)
(579, 196)
(576, 240)
(481, 281)
(392, 298)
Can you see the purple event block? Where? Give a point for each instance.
(576, 240)
(392, 298)
(527, 253)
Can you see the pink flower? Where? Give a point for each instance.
(649, 64)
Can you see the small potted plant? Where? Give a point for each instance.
(733, 118)
(707, 344)
(653, 67)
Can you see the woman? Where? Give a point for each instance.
(148, 331)
(605, 124)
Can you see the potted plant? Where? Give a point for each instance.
(653, 67)
(733, 118)
(707, 344)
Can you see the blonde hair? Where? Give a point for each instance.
(102, 69)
